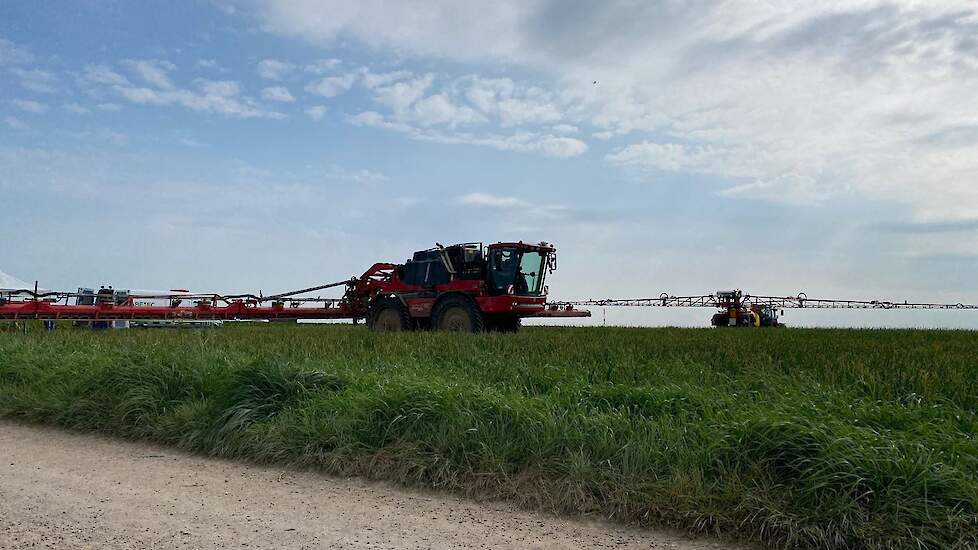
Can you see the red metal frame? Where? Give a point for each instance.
(238, 309)
(379, 279)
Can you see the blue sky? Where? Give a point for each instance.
(671, 147)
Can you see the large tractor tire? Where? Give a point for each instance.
(389, 315)
(458, 313)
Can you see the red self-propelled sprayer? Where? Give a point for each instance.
(463, 287)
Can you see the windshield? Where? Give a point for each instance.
(531, 273)
(522, 270)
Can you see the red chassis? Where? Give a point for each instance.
(382, 287)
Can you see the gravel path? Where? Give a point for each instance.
(65, 490)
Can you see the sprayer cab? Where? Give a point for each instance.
(518, 268)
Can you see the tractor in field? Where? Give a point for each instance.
(464, 287)
(734, 312)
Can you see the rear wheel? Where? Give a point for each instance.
(459, 314)
(389, 315)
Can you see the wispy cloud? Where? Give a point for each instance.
(15, 123)
(497, 113)
(215, 96)
(223, 97)
(492, 201)
(36, 80)
(12, 54)
(76, 109)
(103, 74)
(769, 99)
(316, 112)
(153, 72)
(30, 106)
(277, 93)
(523, 142)
(273, 69)
(331, 86)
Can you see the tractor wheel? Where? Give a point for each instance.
(389, 315)
(459, 314)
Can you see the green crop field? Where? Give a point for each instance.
(794, 438)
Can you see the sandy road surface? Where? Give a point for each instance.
(64, 490)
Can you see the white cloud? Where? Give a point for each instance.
(492, 201)
(485, 93)
(29, 106)
(468, 29)
(207, 64)
(273, 69)
(561, 147)
(12, 54)
(331, 86)
(514, 211)
(76, 108)
(316, 112)
(523, 142)
(99, 135)
(798, 100)
(372, 80)
(220, 88)
(462, 110)
(671, 157)
(277, 93)
(322, 66)
(438, 109)
(516, 112)
(790, 188)
(363, 176)
(229, 9)
(399, 96)
(103, 74)
(369, 118)
(193, 143)
(15, 123)
(512, 103)
(931, 245)
(215, 96)
(36, 80)
(153, 72)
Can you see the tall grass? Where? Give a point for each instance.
(794, 438)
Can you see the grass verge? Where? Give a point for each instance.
(793, 438)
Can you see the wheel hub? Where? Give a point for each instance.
(388, 320)
(456, 319)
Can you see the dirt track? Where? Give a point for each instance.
(66, 490)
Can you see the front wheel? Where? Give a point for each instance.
(458, 314)
(389, 315)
